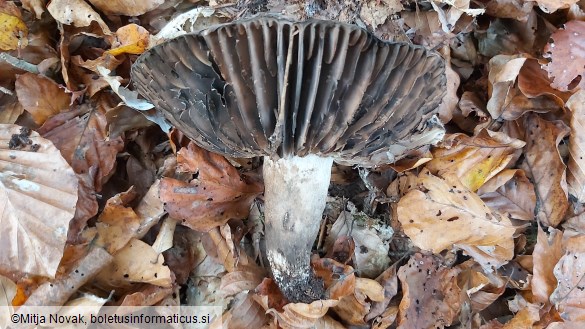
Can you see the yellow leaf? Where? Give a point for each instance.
(132, 39)
(13, 32)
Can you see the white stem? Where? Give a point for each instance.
(295, 195)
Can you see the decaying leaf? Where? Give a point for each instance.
(567, 63)
(547, 252)
(570, 292)
(75, 12)
(38, 190)
(504, 70)
(474, 160)
(126, 7)
(510, 193)
(13, 30)
(550, 6)
(440, 214)
(10, 108)
(41, 97)
(431, 297)
(483, 288)
(375, 13)
(117, 223)
(136, 262)
(544, 165)
(244, 314)
(576, 164)
(216, 195)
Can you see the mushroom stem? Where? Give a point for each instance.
(295, 194)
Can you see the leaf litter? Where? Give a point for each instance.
(484, 231)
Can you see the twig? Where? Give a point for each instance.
(19, 63)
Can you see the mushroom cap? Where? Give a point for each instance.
(268, 86)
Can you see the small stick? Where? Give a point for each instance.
(19, 63)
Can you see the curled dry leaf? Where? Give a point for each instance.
(510, 193)
(567, 63)
(38, 191)
(75, 12)
(439, 214)
(504, 70)
(533, 81)
(41, 97)
(235, 282)
(550, 6)
(543, 164)
(576, 164)
(136, 262)
(354, 308)
(126, 7)
(300, 315)
(482, 288)
(130, 39)
(547, 252)
(431, 297)
(474, 160)
(570, 292)
(216, 195)
(13, 30)
(245, 313)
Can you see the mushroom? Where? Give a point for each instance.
(301, 95)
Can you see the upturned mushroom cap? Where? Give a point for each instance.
(267, 86)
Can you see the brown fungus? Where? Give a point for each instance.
(302, 95)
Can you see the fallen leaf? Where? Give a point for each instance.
(566, 66)
(130, 39)
(503, 71)
(7, 294)
(440, 214)
(38, 191)
(41, 97)
(10, 108)
(375, 13)
(449, 103)
(300, 315)
(569, 271)
(547, 252)
(515, 9)
(576, 164)
(482, 288)
(117, 223)
(148, 295)
(550, 6)
(126, 7)
(474, 160)
(75, 12)
(244, 314)
(34, 6)
(218, 194)
(136, 262)
(510, 193)
(431, 297)
(389, 280)
(533, 81)
(235, 282)
(525, 318)
(13, 30)
(543, 164)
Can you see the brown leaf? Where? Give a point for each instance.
(440, 214)
(244, 314)
(518, 10)
(544, 165)
(130, 39)
(389, 280)
(300, 315)
(41, 97)
(34, 6)
(234, 282)
(38, 192)
(449, 102)
(136, 262)
(117, 223)
(10, 108)
(474, 160)
(533, 81)
(431, 298)
(339, 279)
(504, 70)
(550, 6)
(218, 194)
(567, 64)
(81, 137)
(547, 252)
(510, 193)
(483, 288)
(576, 164)
(353, 308)
(75, 12)
(126, 7)
(569, 271)
(7, 294)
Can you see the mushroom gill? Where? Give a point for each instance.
(302, 95)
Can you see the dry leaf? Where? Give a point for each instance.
(235, 282)
(482, 287)
(13, 30)
(245, 313)
(570, 292)
(449, 103)
(130, 39)
(440, 214)
(10, 108)
(431, 298)
(533, 81)
(300, 315)
(576, 164)
(547, 252)
(41, 97)
(117, 223)
(510, 193)
(34, 6)
(7, 294)
(504, 70)
(550, 6)
(126, 7)
(515, 9)
(544, 165)
(38, 191)
(567, 63)
(136, 262)
(75, 12)
(218, 194)
(375, 13)
(474, 160)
